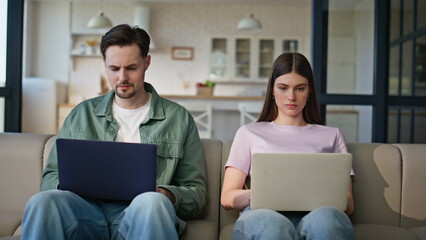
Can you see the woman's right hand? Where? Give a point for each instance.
(233, 195)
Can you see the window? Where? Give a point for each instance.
(355, 121)
(368, 59)
(350, 51)
(407, 72)
(3, 21)
(11, 32)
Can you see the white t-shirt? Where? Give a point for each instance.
(129, 121)
(268, 137)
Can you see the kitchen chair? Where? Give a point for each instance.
(202, 114)
(249, 112)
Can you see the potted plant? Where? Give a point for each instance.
(205, 89)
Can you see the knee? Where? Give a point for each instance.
(329, 213)
(329, 217)
(329, 222)
(263, 224)
(46, 198)
(265, 218)
(152, 201)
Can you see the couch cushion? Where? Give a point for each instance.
(376, 232)
(361, 232)
(9, 222)
(420, 232)
(413, 203)
(20, 168)
(12, 238)
(226, 232)
(200, 229)
(377, 183)
(212, 150)
(208, 227)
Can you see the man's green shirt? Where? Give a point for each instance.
(180, 164)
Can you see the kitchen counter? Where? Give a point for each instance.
(213, 97)
(219, 103)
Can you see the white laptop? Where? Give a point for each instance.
(300, 181)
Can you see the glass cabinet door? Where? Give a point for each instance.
(242, 58)
(290, 45)
(266, 57)
(218, 61)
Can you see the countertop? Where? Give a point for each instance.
(213, 97)
(226, 99)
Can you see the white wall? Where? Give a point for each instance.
(48, 40)
(189, 25)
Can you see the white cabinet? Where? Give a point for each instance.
(40, 98)
(246, 58)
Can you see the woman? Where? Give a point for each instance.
(289, 122)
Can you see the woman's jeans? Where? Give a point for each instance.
(324, 223)
(60, 214)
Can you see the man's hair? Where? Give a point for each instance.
(124, 35)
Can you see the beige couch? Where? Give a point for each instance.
(389, 188)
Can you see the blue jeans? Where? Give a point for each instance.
(60, 214)
(323, 223)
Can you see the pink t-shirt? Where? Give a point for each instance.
(268, 137)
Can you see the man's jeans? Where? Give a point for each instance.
(323, 223)
(60, 214)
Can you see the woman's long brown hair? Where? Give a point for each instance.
(287, 63)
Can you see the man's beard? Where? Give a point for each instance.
(127, 93)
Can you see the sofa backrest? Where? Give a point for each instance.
(377, 183)
(21, 157)
(212, 150)
(413, 196)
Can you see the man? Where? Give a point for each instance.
(131, 112)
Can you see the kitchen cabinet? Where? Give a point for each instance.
(246, 58)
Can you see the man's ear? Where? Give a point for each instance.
(147, 62)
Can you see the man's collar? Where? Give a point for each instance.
(156, 110)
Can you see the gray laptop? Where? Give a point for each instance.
(300, 181)
(106, 170)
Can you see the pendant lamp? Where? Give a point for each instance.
(100, 21)
(249, 23)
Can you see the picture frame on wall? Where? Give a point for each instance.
(182, 53)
